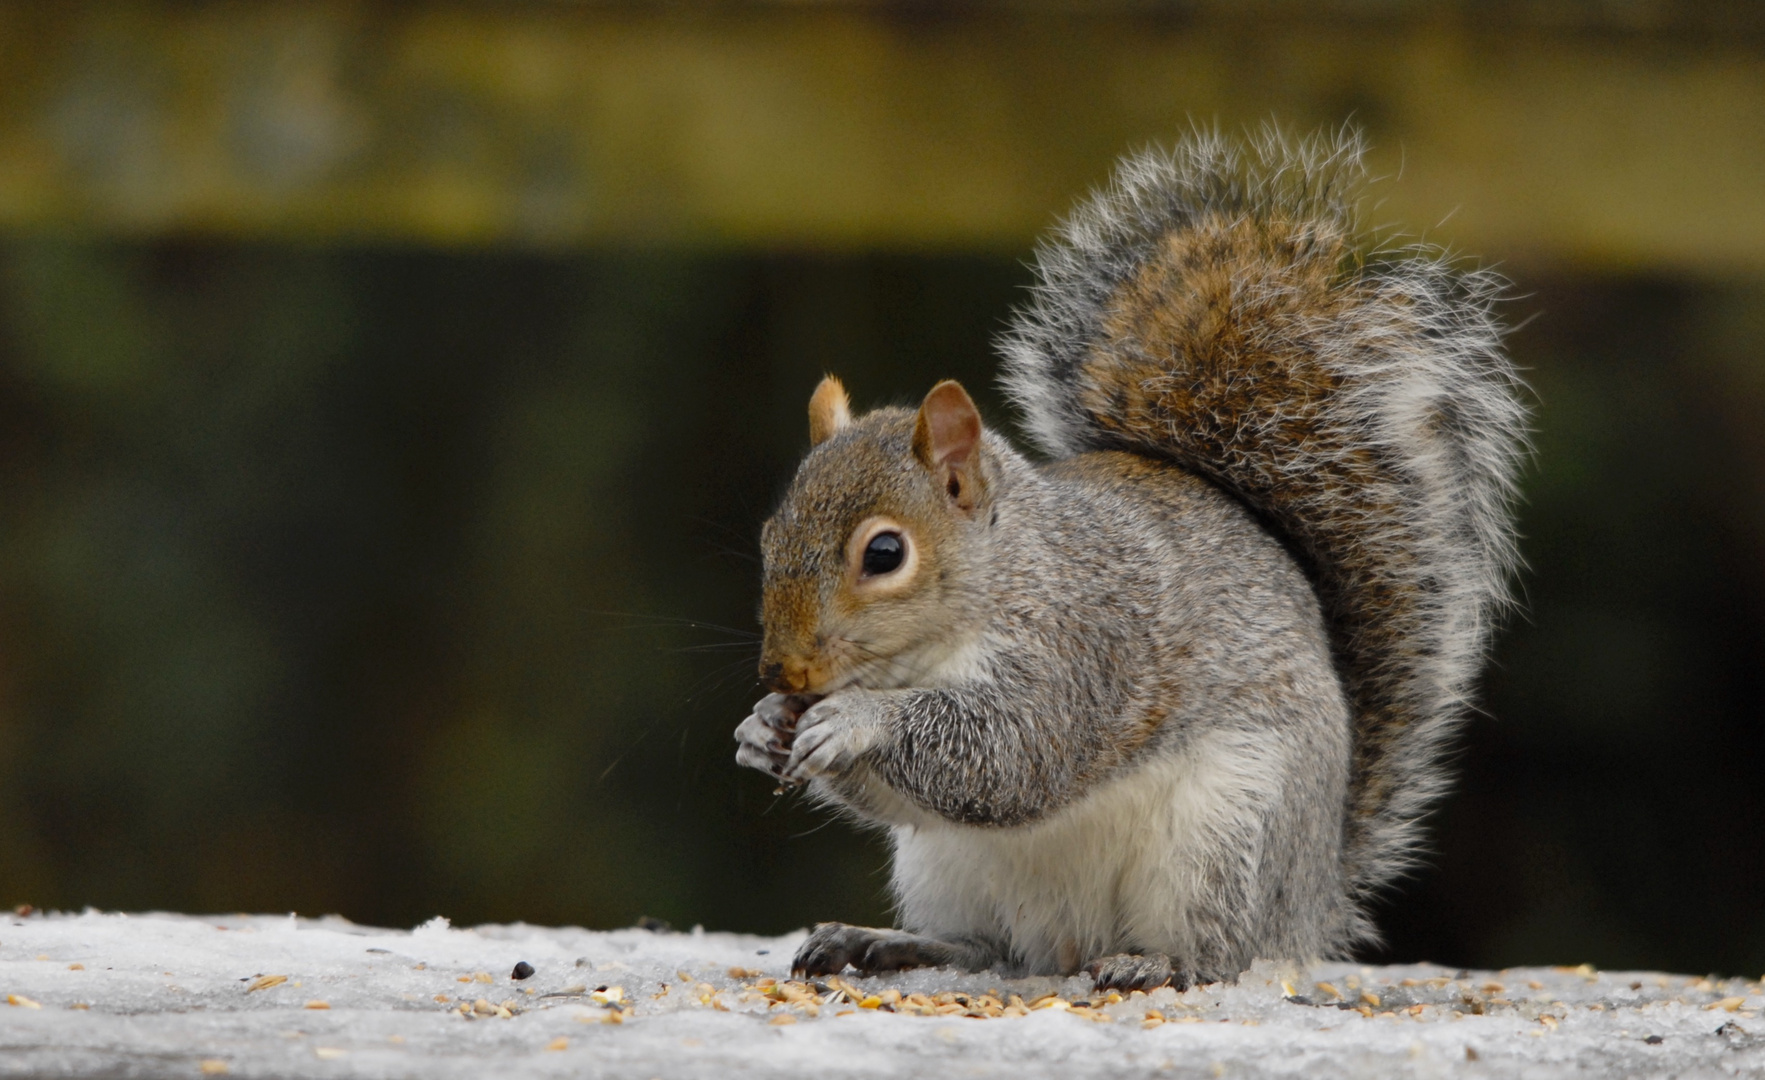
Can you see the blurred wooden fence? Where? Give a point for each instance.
(829, 125)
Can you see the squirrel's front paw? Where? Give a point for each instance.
(833, 734)
(764, 738)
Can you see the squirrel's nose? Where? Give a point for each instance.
(771, 674)
(787, 676)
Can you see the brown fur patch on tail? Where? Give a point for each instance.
(1215, 305)
(1215, 346)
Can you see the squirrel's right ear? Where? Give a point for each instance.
(829, 410)
(947, 439)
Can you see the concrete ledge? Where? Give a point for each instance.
(163, 995)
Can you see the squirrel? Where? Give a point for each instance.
(1177, 697)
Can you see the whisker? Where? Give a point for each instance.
(628, 748)
(653, 621)
(816, 829)
(715, 679)
(721, 548)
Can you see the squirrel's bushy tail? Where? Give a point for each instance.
(1215, 305)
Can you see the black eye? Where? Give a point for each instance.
(883, 554)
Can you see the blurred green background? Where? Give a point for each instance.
(390, 394)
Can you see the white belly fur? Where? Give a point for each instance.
(1121, 870)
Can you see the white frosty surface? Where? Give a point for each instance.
(163, 995)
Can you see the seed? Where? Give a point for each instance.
(317, 1004)
(523, 970)
(264, 982)
(559, 1043)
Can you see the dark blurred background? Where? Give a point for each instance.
(390, 394)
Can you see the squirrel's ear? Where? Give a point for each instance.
(947, 439)
(829, 410)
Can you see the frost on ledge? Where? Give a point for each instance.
(166, 995)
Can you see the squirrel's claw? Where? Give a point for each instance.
(754, 748)
(829, 948)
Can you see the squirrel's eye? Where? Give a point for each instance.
(883, 554)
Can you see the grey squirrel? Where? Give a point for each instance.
(1178, 697)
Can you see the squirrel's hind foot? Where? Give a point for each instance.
(1132, 971)
(831, 946)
